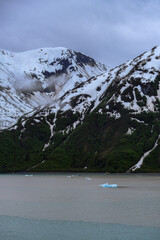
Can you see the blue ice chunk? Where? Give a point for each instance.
(108, 185)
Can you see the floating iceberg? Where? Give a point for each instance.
(108, 185)
(88, 178)
(72, 176)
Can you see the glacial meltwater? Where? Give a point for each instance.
(72, 206)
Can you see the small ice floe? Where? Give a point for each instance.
(88, 178)
(28, 175)
(72, 176)
(108, 185)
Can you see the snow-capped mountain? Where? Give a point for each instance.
(33, 79)
(134, 85)
(74, 113)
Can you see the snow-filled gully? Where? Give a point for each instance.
(140, 162)
(35, 166)
(52, 133)
(47, 144)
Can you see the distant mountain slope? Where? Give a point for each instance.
(104, 121)
(31, 80)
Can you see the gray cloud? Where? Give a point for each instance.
(111, 31)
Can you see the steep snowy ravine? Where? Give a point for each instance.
(140, 162)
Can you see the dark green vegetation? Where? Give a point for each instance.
(20, 150)
(100, 143)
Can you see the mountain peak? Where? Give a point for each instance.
(38, 77)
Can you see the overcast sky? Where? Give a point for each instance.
(111, 31)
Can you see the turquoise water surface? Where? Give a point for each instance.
(15, 228)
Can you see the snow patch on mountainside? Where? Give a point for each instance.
(130, 131)
(135, 82)
(52, 126)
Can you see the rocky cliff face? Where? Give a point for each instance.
(75, 114)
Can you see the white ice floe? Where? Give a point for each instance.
(72, 176)
(88, 178)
